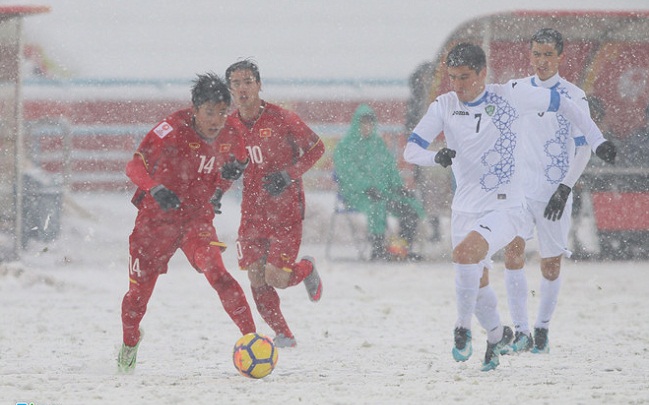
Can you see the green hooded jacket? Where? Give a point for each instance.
(363, 163)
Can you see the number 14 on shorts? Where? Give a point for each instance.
(134, 266)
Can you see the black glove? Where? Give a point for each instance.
(216, 200)
(166, 199)
(444, 156)
(557, 203)
(373, 194)
(276, 182)
(233, 169)
(607, 152)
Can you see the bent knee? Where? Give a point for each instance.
(514, 254)
(551, 267)
(471, 250)
(276, 277)
(256, 275)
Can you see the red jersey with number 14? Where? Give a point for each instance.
(174, 155)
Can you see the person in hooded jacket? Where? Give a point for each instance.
(369, 182)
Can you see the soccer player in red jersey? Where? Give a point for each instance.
(177, 169)
(281, 148)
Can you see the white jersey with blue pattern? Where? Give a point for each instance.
(549, 141)
(485, 135)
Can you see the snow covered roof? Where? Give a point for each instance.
(369, 39)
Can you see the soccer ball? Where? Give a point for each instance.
(398, 248)
(254, 355)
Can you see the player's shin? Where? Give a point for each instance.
(210, 262)
(516, 286)
(486, 310)
(549, 292)
(134, 306)
(234, 302)
(467, 284)
(267, 301)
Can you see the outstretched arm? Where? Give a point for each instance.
(582, 121)
(416, 152)
(577, 166)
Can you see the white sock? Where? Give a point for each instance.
(486, 311)
(467, 284)
(516, 285)
(549, 298)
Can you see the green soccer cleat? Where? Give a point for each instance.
(127, 357)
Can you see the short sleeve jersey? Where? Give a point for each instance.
(550, 141)
(485, 135)
(178, 158)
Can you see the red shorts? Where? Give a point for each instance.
(277, 245)
(156, 238)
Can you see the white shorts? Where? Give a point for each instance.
(497, 227)
(552, 235)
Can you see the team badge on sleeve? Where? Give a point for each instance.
(163, 129)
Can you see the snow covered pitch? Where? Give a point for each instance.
(382, 333)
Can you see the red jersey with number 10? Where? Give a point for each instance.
(278, 140)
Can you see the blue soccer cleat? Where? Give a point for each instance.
(463, 348)
(522, 343)
(491, 357)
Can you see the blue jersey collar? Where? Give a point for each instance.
(551, 83)
(479, 100)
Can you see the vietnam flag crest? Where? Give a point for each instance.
(224, 147)
(163, 129)
(265, 132)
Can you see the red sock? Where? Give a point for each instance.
(267, 301)
(234, 302)
(133, 309)
(299, 271)
(209, 260)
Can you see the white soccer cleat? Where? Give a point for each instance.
(283, 341)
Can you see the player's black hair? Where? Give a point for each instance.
(246, 64)
(466, 54)
(209, 87)
(548, 36)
